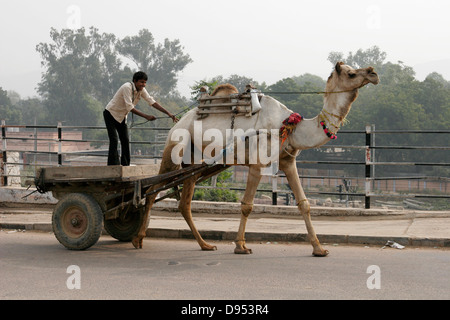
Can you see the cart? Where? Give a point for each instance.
(113, 197)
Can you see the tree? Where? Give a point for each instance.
(32, 111)
(81, 68)
(7, 111)
(307, 104)
(240, 82)
(162, 62)
(198, 85)
(434, 95)
(360, 59)
(311, 80)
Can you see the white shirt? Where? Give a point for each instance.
(125, 99)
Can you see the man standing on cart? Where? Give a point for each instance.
(115, 115)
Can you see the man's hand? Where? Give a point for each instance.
(157, 106)
(149, 117)
(174, 118)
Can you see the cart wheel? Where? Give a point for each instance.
(126, 226)
(77, 221)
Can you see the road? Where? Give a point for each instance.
(35, 266)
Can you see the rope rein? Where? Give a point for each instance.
(163, 117)
(306, 92)
(263, 92)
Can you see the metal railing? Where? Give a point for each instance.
(64, 145)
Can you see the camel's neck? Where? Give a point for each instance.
(335, 108)
(311, 133)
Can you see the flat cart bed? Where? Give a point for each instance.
(93, 173)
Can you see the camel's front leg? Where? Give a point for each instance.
(291, 172)
(254, 176)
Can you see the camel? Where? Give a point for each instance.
(341, 91)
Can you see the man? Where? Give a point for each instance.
(115, 115)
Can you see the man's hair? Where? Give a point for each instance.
(140, 76)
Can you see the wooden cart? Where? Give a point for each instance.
(110, 196)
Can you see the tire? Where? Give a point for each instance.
(77, 221)
(126, 226)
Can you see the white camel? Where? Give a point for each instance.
(341, 91)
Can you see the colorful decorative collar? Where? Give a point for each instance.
(323, 116)
(289, 125)
(330, 134)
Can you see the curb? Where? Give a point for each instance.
(299, 237)
(325, 239)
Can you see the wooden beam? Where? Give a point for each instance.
(227, 104)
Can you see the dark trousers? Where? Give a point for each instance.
(117, 131)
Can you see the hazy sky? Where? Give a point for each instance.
(266, 40)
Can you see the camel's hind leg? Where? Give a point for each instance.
(254, 177)
(137, 241)
(185, 209)
(291, 172)
(166, 166)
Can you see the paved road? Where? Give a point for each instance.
(411, 229)
(35, 266)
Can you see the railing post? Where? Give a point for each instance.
(59, 143)
(368, 183)
(4, 155)
(274, 168)
(274, 197)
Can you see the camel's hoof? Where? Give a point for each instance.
(322, 253)
(242, 251)
(209, 247)
(137, 243)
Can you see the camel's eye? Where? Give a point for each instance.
(352, 75)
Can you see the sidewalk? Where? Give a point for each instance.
(338, 226)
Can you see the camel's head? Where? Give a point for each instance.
(345, 77)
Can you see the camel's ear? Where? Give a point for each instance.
(338, 67)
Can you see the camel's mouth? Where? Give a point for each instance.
(374, 80)
(372, 76)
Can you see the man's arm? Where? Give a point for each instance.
(157, 106)
(143, 115)
(151, 101)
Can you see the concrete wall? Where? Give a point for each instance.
(17, 196)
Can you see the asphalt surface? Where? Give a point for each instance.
(407, 228)
(35, 267)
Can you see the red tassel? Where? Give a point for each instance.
(289, 125)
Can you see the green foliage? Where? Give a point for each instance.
(216, 194)
(7, 111)
(203, 83)
(162, 62)
(221, 193)
(360, 59)
(80, 67)
(238, 81)
(308, 105)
